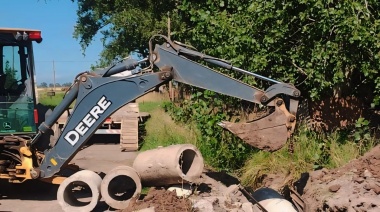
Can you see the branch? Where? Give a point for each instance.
(299, 69)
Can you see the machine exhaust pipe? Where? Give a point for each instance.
(120, 186)
(80, 191)
(169, 165)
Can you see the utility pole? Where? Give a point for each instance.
(54, 75)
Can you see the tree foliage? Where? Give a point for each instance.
(43, 85)
(125, 26)
(67, 84)
(323, 46)
(11, 76)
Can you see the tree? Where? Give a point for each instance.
(43, 85)
(66, 84)
(51, 85)
(11, 76)
(323, 47)
(126, 26)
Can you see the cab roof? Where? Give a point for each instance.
(15, 30)
(19, 35)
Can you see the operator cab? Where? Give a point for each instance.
(17, 90)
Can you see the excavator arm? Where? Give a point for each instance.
(98, 95)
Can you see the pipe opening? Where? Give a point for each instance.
(77, 194)
(189, 161)
(169, 165)
(122, 188)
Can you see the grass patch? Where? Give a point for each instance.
(145, 190)
(305, 155)
(311, 151)
(51, 101)
(150, 106)
(341, 152)
(161, 130)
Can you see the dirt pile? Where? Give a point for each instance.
(210, 195)
(161, 200)
(353, 187)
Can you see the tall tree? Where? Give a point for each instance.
(66, 84)
(43, 85)
(125, 26)
(325, 47)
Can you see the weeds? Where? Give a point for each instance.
(51, 101)
(311, 151)
(161, 129)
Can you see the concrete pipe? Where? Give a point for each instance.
(272, 201)
(80, 191)
(119, 186)
(169, 165)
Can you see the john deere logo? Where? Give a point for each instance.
(7, 125)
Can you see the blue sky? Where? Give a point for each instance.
(56, 20)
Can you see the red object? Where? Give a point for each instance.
(35, 35)
(35, 116)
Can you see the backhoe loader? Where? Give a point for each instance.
(25, 152)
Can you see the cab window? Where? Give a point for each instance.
(11, 66)
(13, 72)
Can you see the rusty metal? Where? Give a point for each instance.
(269, 133)
(297, 200)
(246, 193)
(165, 73)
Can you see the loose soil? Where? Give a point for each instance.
(161, 200)
(353, 187)
(217, 192)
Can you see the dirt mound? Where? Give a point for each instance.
(353, 187)
(217, 192)
(162, 200)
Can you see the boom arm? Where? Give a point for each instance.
(99, 95)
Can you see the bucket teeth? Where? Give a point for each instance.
(269, 133)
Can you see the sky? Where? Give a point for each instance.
(56, 19)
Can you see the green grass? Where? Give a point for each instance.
(50, 101)
(311, 151)
(161, 130)
(150, 106)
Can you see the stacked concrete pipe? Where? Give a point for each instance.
(86, 179)
(170, 165)
(120, 186)
(158, 167)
